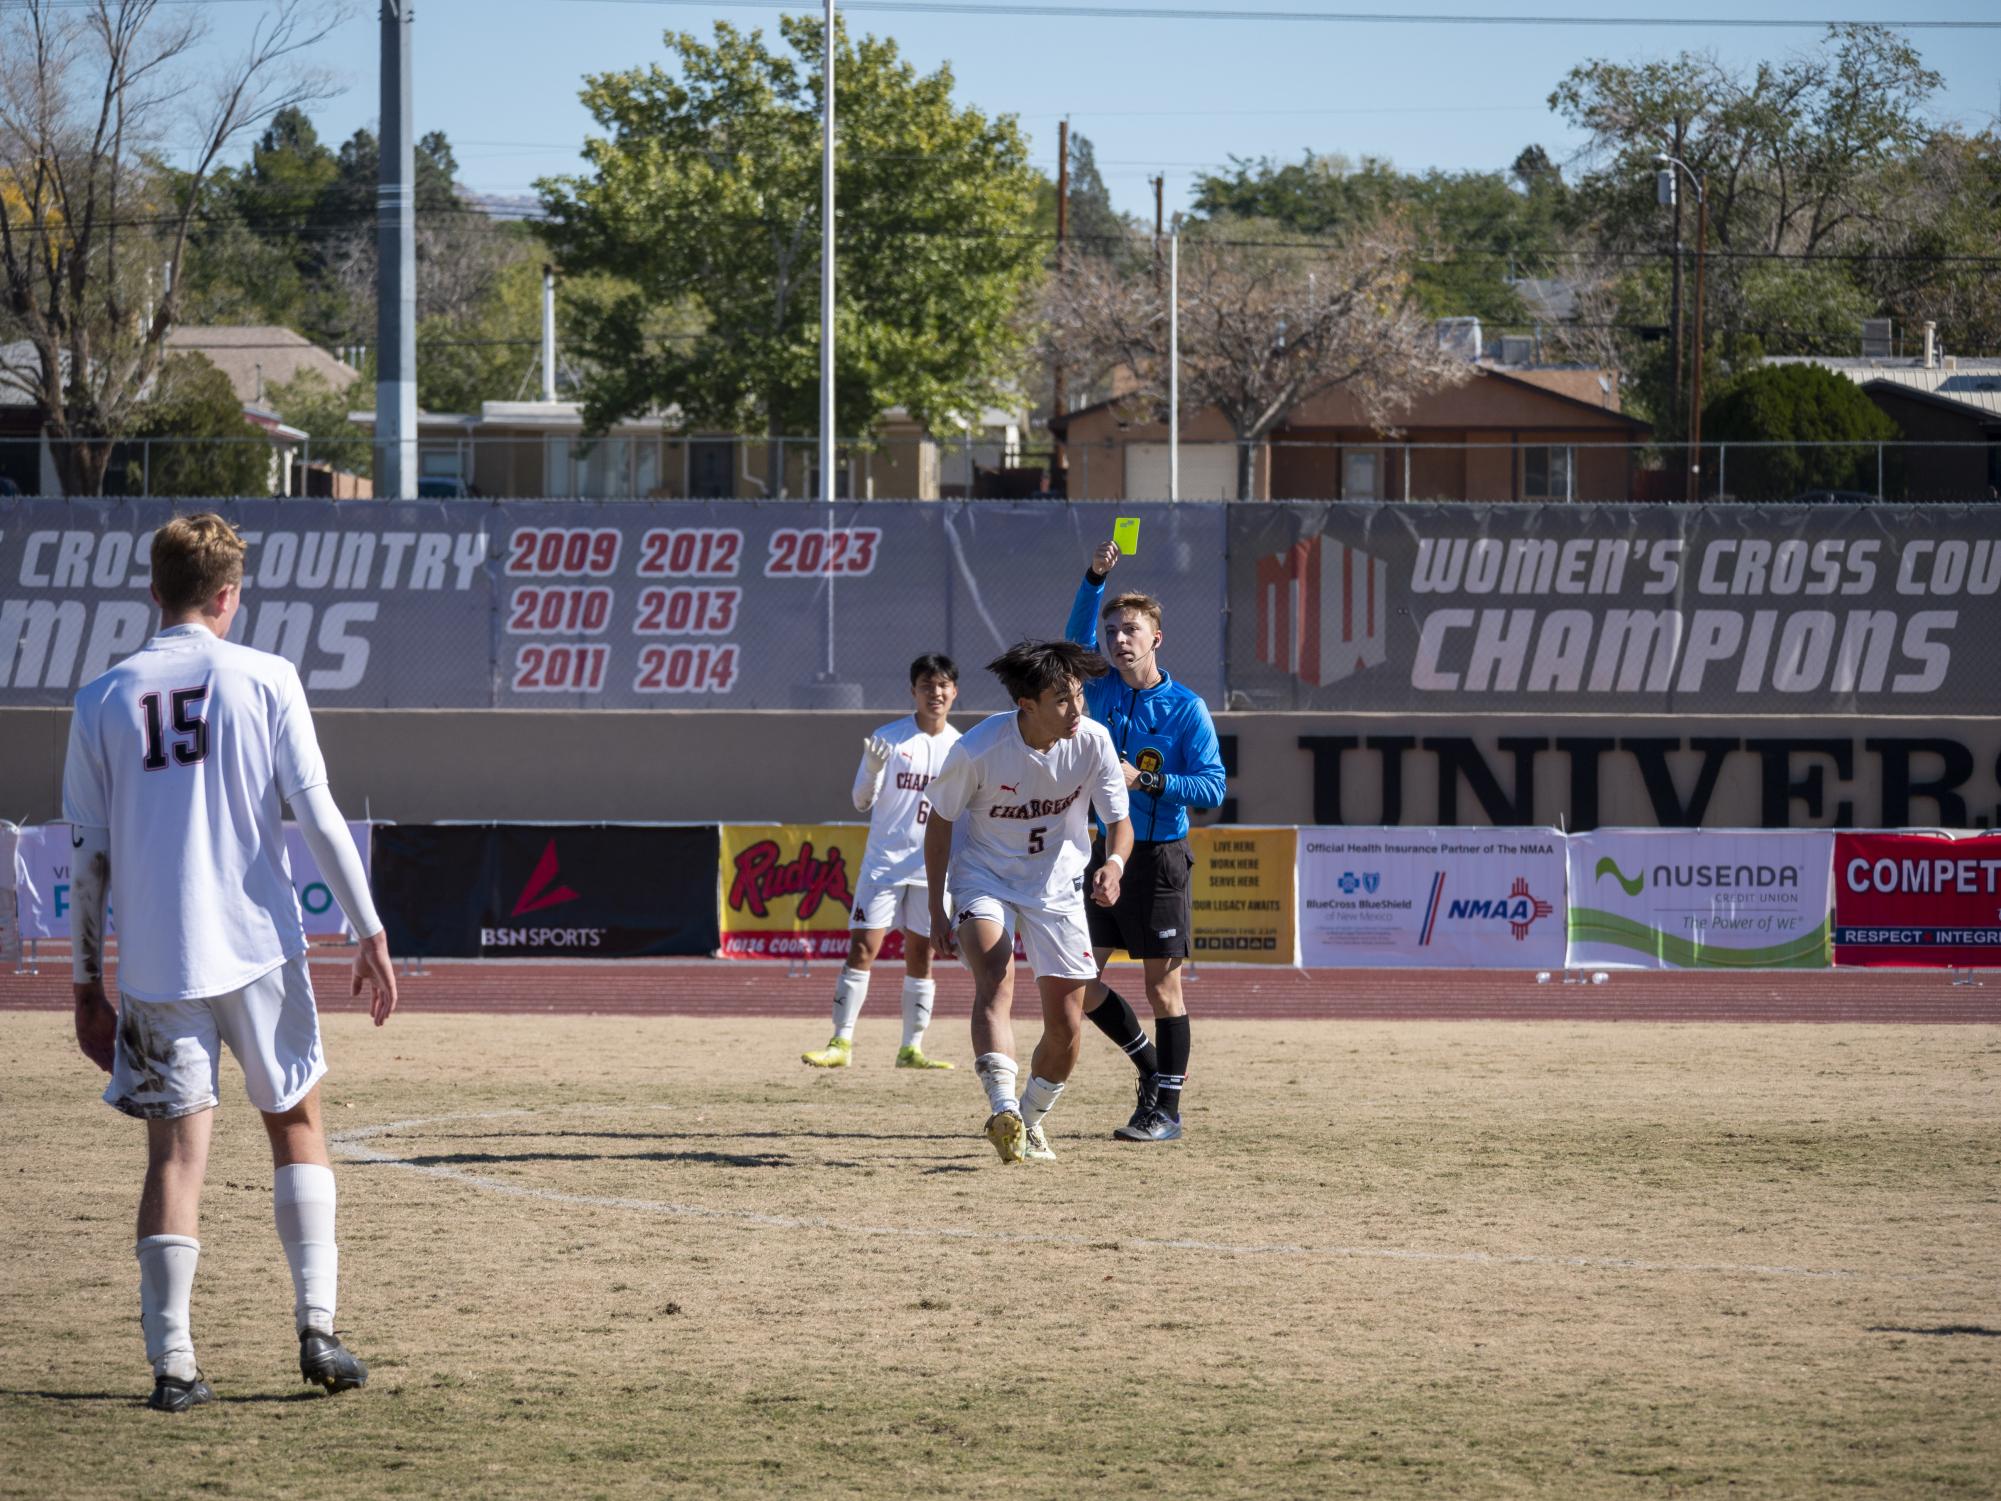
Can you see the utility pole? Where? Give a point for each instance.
(396, 268)
(827, 291)
(1174, 363)
(1159, 225)
(1059, 385)
(1674, 292)
(1695, 393)
(549, 333)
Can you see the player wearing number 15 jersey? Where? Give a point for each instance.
(1022, 784)
(898, 764)
(181, 759)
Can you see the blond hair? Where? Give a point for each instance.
(194, 559)
(1146, 604)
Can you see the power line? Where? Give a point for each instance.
(1363, 18)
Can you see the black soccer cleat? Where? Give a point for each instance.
(324, 1360)
(171, 1394)
(1148, 1103)
(1153, 1124)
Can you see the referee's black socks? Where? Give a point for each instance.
(1173, 1071)
(1114, 1017)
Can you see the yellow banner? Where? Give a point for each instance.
(788, 890)
(1241, 896)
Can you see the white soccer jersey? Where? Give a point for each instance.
(1022, 816)
(186, 751)
(898, 808)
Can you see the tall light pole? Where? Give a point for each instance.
(1174, 363)
(1665, 183)
(396, 268)
(827, 274)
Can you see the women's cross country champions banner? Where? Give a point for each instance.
(1690, 899)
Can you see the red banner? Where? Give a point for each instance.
(1917, 901)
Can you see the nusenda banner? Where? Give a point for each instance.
(1917, 900)
(538, 891)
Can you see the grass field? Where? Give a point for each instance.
(657, 1256)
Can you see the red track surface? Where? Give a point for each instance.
(726, 988)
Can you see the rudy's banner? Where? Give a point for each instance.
(557, 891)
(788, 890)
(44, 897)
(1917, 900)
(1242, 895)
(1700, 899)
(1431, 898)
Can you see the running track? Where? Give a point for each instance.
(722, 988)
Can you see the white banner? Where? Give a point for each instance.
(1701, 899)
(1431, 898)
(10, 901)
(45, 883)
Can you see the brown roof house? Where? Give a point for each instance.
(1510, 432)
(256, 357)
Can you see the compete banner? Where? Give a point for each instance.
(45, 883)
(618, 605)
(1917, 900)
(1431, 898)
(1753, 609)
(1700, 899)
(788, 890)
(568, 891)
(1242, 895)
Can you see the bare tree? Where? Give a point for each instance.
(1264, 327)
(94, 216)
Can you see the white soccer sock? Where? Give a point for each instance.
(166, 1278)
(1038, 1099)
(849, 993)
(997, 1074)
(302, 1200)
(917, 998)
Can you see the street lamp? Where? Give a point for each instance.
(1665, 184)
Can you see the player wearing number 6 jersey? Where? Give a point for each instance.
(180, 761)
(1022, 784)
(898, 764)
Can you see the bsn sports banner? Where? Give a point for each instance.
(788, 890)
(1241, 894)
(44, 897)
(1917, 900)
(1431, 898)
(1699, 899)
(546, 891)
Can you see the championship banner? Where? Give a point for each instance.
(45, 887)
(1242, 895)
(1648, 609)
(562, 891)
(1700, 899)
(788, 891)
(1431, 898)
(1917, 900)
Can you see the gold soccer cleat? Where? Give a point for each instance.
(1008, 1135)
(838, 1053)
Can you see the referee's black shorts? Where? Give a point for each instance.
(1151, 918)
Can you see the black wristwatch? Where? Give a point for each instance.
(1151, 782)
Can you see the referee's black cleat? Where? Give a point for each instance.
(170, 1394)
(325, 1361)
(1152, 1124)
(1149, 1102)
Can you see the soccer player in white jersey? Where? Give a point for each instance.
(1024, 781)
(898, 762)
(179, 759)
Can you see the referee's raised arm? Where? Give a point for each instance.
(1083, 625)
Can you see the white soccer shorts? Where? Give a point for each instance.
(1055, 940)
(880, 907)
(169, 1053)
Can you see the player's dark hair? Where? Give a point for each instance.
(1029, 669)
(934, 664)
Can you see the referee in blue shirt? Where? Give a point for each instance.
(1167, 744)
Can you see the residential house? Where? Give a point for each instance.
(256, 357)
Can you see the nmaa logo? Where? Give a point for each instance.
(1321, 610)
(1519, 909)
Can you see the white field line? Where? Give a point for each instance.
(350, 1146)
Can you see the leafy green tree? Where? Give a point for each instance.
(310, 403)
(703, 201)
(202, 444)
(1792, 405)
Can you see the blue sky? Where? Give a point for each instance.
(500, 77)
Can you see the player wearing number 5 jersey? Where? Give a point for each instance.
(1020, 787)
(899, 763)
(180, 761)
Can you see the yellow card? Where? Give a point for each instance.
(1125, 532)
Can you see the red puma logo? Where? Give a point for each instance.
(1006, 788)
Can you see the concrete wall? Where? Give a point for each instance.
(1285, 768)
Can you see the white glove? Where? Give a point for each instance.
(878, 751)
